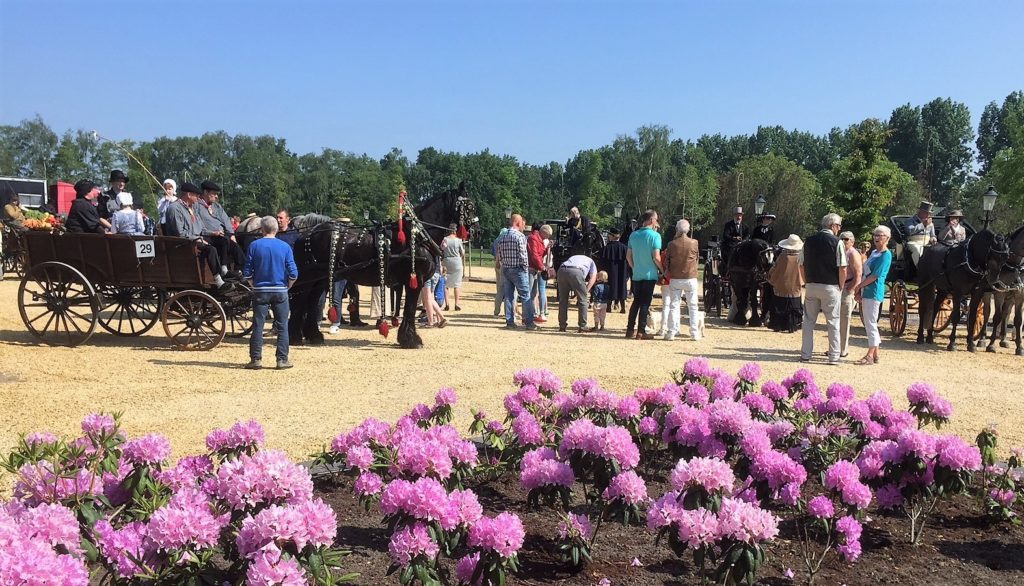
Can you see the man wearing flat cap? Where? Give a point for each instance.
(183, 221)
(733, 233)
(920, 231)
(107, 201)
(84, 215)
(217, 228)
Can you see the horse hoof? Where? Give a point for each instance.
(971, 348)
(950, 348)
(920, 340)
(1004, 344)
(991, 349)
(1020, 352)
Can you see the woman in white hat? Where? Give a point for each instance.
(170, 196)
(787, 311)
(126, 220)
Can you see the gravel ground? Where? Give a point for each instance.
(359, 374)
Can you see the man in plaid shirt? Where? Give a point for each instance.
(511, 254)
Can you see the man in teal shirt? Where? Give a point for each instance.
(644, 257)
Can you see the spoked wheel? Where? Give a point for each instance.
(942, 315)
(15, 263)
(237, 306)
(129, 311)
(898, 306)
(58, 304)
(193, 320)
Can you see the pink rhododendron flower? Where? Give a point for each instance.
(270, 568)
(124, 548)
(96, 425)
(266, 477)
(649, 426)
(189, 472)
(148, 449)
(367, 484)
(528, 429)
(697, 528)
(821, 507)
(409, 542)
(503, 534)
(540, 468)
(308, 523)
(576, 527)
(628, 408)
(445, 397)
(727, 417)
(188, 523)
(627, 487)
(750, 372)
(850, 530)
(40, 438)
(242, 434)
(697, 367)
(956, 455)
(466, 567)
(746, 522)
(711, 474)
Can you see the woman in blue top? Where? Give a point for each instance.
(871, 291)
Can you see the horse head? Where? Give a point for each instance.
(454, 206)
(988, 251)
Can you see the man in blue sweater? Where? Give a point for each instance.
(270, 267)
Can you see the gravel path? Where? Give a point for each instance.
(359, 374)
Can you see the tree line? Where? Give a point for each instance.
(864, 172)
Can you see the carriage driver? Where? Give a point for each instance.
(920, 231)
(766, 231)
(733, 232)
(217, 228)
(183, 221)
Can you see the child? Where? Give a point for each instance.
(599, 300)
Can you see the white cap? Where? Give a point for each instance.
(173, 183)
(124, 199)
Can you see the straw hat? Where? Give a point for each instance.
(792, 243)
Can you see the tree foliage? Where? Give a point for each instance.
(865, 183)
(994, 128)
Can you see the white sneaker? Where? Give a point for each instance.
(669, 337)
(334, 329)
(698, 338)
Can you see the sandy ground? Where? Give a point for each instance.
(359, 374)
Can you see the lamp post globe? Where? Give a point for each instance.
(508, 213)
(618, 210)
(759, 203)
(988, 202)
(366, 214)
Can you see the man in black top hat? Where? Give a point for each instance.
(107, 201)
(733, 232)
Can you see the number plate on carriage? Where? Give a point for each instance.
(145, 248)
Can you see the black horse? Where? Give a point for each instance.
(1008, 294)
(374, 256)
(748, 269)
(957, 271)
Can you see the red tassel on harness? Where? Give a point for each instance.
(414, 283)
(394, 322)
(401, 211)
(382, 328)
(332, 314)
(463, 232)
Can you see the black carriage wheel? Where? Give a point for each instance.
(898, 307)
(57, 304)
(129, 311)
(237, 306)
(943, 315)
(193, 320)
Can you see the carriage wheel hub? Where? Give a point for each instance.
(193, 321)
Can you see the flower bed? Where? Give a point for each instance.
(710, 478)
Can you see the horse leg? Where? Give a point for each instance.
(972, 320)
(407, 336)
(954, 321)
(755, 315)
(997, 318)
(311, 323)
(925, 299)
(740, 316)
(1018, 318)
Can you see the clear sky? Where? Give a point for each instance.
(539, 80)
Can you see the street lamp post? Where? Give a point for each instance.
(988, 201)
(366, 215)
(759, 204)
(508, 213)
(617, 211)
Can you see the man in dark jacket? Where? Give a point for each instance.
(107, 201)
(823, 267)
(733, 232)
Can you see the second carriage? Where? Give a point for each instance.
(902, 278)
(126, 284)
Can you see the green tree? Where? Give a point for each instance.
(862, 185)
(1008, 176)
(993, 130)
(793, 193)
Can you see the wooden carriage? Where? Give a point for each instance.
(902, 297)
(126, 284)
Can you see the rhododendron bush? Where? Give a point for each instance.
(711, 467)
(237, 512)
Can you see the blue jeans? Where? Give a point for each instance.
(517, 281)
(339, 305)
(262, 302)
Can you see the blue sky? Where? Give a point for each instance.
(537, 80)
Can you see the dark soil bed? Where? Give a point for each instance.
(959, 547)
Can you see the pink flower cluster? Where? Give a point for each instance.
(543, 379)
(264, 478)
(750, 372)
(411, 541)
(40, 545)
(189, 472)
(628, 488)
(187, 522)
(711, 474)
(270, 568)
(528, 429)
(99, 425)
(147, 450)
(746, 522)
(307, 523)
(850, 529)
(925, 398)
(844, 478)
(427, 500)
(612, 443)
(737, 520)
(821, 507)
(37, 483)
(577, 527)
(503, 534)
(241, 435)
(540, 467)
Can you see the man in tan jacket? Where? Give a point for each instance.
(681, 270)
